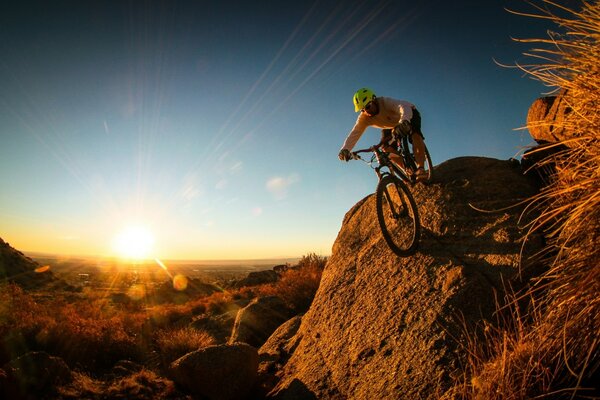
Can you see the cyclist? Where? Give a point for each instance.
(396, 118)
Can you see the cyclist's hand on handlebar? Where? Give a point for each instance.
(402, 129)
(345, 155)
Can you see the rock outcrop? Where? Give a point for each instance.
(222, 372)
(545, 119)
(256, 278)
(258, 320)
(384, 327)
(14, 263)
(18, 268)
(33, 375)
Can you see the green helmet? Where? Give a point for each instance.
(362, 97)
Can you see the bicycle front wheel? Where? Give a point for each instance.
(398, 216)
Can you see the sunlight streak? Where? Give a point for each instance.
(160, 264)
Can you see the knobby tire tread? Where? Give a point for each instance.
(409, 250)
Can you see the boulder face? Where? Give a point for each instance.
(33, 374)
(545, 119)
(387, 327)
(221, 372)
(258, 320)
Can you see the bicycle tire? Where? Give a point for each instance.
(398, 216)
(410, 155)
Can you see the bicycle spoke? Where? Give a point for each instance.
(398, 216)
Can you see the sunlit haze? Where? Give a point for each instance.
(210, 130)
(134, 243)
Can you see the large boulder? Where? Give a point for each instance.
(34, 375)
(218, 326)
(278, 346)
(546, 117)
(222, 372)
(275, 352)
(386, 327)
(256, 278)
(259, 319)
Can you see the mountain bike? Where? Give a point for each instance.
(397, 211)
(410, 165)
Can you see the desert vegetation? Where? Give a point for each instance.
(546, 341)
(123, 344)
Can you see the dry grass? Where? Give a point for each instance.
(175, 343)
(550, 348)
(91, 333)
(139, 385)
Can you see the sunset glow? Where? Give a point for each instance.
(134, 242)
(222, 125)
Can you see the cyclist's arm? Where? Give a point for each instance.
(355, 134)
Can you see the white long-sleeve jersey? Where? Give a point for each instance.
(391, 113)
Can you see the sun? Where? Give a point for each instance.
(134, 242)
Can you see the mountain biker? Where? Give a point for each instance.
(395, 118)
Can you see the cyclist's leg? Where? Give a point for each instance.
(388, 144)
(419, 149)
(395, 157)
(416, 139)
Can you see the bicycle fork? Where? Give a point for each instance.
(402, 211)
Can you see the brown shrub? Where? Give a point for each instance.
(86, 333)
(174, 343)
(140, 385)
(298, 286)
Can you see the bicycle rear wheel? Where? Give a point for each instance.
(428, 165)
(398, 216)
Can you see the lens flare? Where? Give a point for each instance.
(180, 282)
(41, 270)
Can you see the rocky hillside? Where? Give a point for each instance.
(18, 268)
(386, 327)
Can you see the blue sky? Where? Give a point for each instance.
(215, 126)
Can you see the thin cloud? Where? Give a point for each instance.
(279, 186)
(222, 184)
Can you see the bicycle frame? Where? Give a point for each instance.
(394, 203)
(383, 161)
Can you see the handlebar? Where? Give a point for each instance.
(373, 149)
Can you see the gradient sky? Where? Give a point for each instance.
(216, 125)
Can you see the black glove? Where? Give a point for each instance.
(402, 129)
(344, 155)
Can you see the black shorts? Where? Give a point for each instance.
(415, 123)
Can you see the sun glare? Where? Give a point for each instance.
(134, 242)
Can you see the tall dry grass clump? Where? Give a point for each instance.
(176, 342)
(550, 348)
